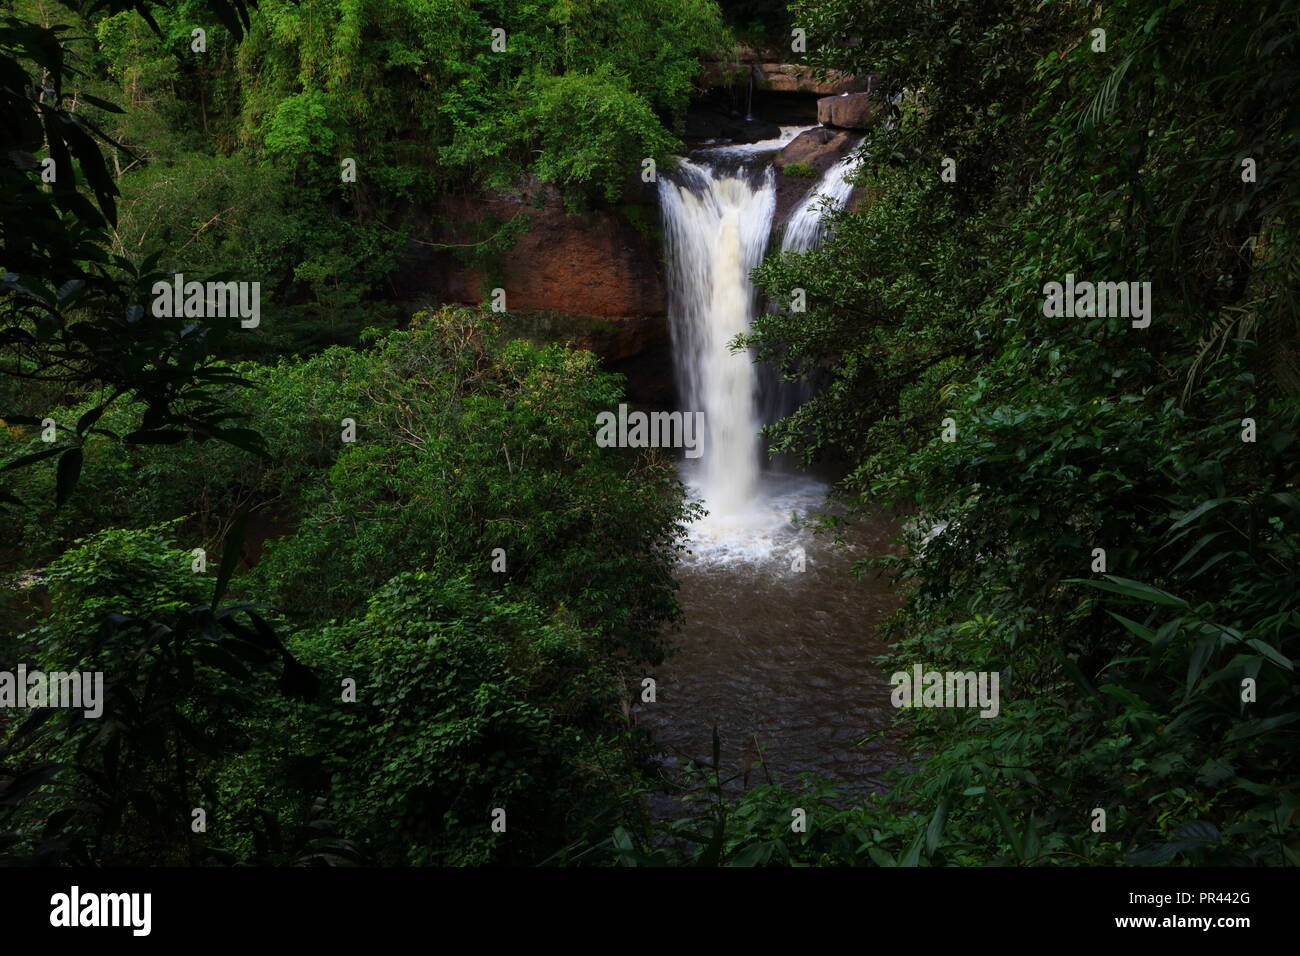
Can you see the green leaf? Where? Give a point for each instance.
(755, 854)
(104, 105)
(712, 853)
(230, 555)
(935, 830)
(1255, 727)
(243, 438)
(69, 471)
(1206, 539)
(1167, 632)
(1211, 562)
(1196, 512)
(1075, 674)
(881, 857)
(28, 459)
(1200, 831)
(90, 417)
(1134, 627)
(913, 855)
(1133, 589)
(1005, 822)
(1274, 655)
(1196, 663)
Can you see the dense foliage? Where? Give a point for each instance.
(282, 730)
(1125, 685)
(403, 592)
(486, 652)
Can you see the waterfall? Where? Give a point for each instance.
(717, 221)
(805, 228)
(718, 214)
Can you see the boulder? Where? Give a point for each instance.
(818, 147)
(821, 148)
(848, 111)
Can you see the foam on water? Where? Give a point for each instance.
(788, 133)
(765, 532)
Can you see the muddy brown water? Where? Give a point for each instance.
(781, 661)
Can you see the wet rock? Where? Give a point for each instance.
(820, 148)
(849, 111)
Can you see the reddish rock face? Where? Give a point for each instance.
(783, 77)
(595, 264)
(590, 280)
(795, 78)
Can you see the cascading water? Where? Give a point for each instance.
(805, 227)
(774, 655)
(718, 224)
(718, 213)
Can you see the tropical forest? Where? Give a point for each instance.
(649, 433)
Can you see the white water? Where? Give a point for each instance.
(718, 220)
(745, 150)
(774, 656)
(805, 227)
(717, 226)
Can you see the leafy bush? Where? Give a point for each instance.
(592, 130)
(121, 787)
(465, 447)
(466, 443)
(1122, 685)
(467, 701)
